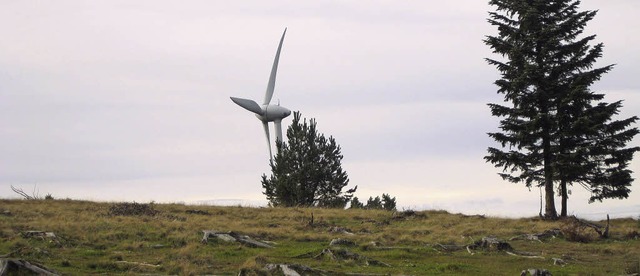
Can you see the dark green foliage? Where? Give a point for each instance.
(388, 203)
(385, 203)
(307, 170)
(374, 203)
(356, 204)
(555, 130)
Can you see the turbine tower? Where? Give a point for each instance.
(268, 112)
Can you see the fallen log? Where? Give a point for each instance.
(233, 237)
(22, 267)
(341, 230)
(246, 240)
(292, 270)
(39, 234)
(603, 231)
(491, 243)
(42, 235)
(343, 255)
(450, 247)
(524, 254)
(558, 261)
(343, 242)
(551, 233)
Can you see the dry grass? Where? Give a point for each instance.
(90, 240)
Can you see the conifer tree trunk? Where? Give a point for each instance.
(549, 195)
(565, 197)
(550, 206)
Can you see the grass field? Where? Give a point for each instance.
(91, 238)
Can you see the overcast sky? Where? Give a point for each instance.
(129, 100)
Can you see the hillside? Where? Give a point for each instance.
(80, 237)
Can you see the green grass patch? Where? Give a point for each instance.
(91, 238)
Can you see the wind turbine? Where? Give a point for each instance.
(268, 112)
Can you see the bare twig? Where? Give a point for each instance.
(21, 192)
(34, 194)
(524, 255)
(596, 227)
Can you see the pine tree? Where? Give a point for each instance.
(554, 132)
(307, 170)
(356, 204)
(374, 203)
(591, 151)
(388, 202)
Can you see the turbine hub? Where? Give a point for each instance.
(273, 112)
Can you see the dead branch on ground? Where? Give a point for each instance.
(34, 194)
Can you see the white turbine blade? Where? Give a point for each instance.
(278, 124)
(248, 105)
(266, 132)
(274, 69)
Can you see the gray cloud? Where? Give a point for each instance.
(121, 100)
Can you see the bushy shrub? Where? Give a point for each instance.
(356, 204)
(386, 202)
(374, 203)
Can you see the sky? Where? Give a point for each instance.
(129, 100)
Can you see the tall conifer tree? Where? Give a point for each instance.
(307, 170)
(556, 130)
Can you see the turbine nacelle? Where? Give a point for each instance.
(272, 113)
(266, 113)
